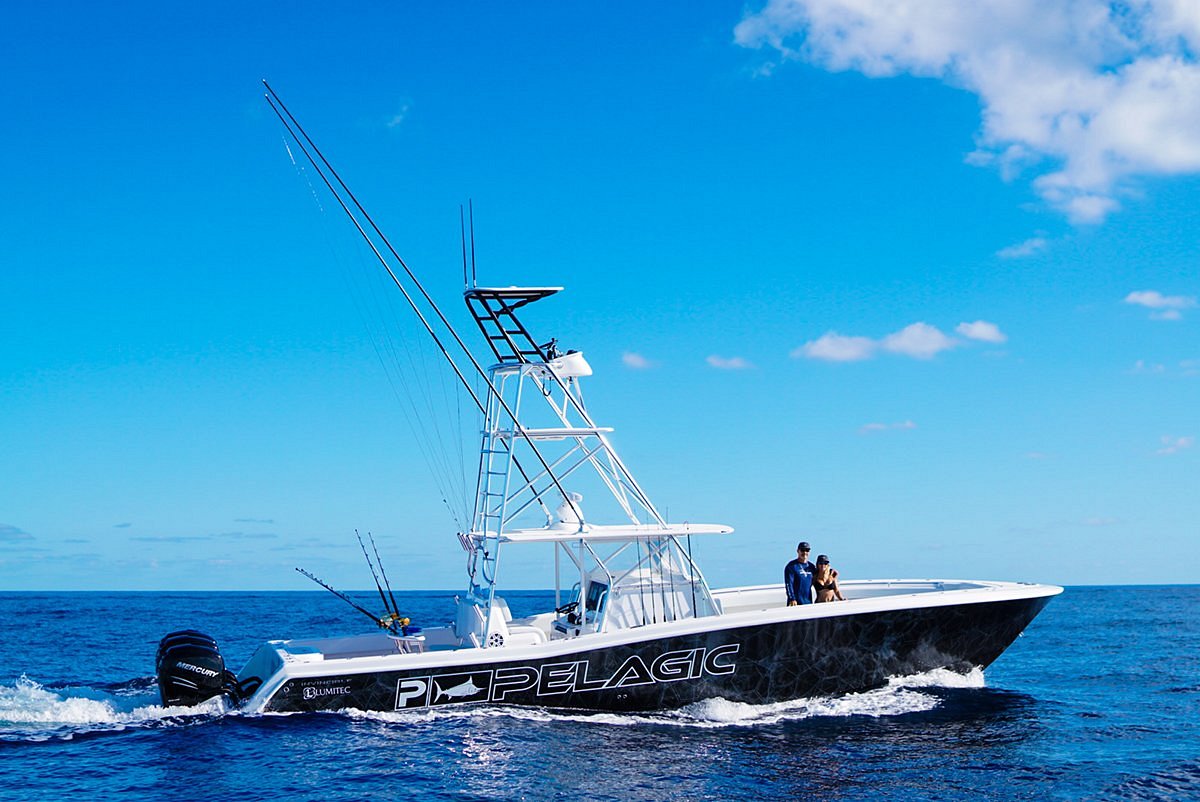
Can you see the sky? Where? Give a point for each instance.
(916, 283)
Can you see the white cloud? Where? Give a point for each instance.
(1156, 300)
(399, 116)
(1027, 248)
(1142, 366)
(728, 363)
(870, 428)
(1173, 445)
(834, 347)
(1091, 94)
(1186, 367)
(636, 361)
(918, 340)
(983, 331)
(1166, 307)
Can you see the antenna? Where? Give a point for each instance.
(471, 208)
(462, 227)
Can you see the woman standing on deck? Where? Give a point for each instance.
(825, 582)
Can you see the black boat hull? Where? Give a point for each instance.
(757, 664)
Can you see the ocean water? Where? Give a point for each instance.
(1100, 699)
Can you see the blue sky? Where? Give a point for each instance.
(918, 287)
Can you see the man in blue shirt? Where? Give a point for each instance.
(797, 577)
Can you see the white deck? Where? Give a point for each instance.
(739, 606)
(765, 597)
(280, 661)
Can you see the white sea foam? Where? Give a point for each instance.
(941, 678)
(900, 696)
(30, 711)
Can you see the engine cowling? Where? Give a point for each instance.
(190, 669)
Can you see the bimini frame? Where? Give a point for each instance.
(629, 559)
(501, 494)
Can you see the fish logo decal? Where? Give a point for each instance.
(443, 689)
(463, 690)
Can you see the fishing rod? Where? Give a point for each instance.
(382, 598)
(386, 584)
(383, 623)
(273, 99)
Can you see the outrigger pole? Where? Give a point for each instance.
(272, 100)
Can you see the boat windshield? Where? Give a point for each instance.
(595, 596)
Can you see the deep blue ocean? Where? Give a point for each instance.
(1099, 699)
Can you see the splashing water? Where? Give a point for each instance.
(941, 678)
(30, 712)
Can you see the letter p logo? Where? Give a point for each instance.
(412, 692)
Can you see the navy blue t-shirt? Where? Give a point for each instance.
(797, 579)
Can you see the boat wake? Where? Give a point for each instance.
(900, 696)
(30, 711)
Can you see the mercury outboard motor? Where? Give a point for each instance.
(190, 669)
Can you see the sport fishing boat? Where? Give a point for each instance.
(635, 626)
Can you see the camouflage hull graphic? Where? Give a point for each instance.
(755, 664)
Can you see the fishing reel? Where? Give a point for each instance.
(391, 621)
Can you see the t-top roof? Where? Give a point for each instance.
(512, 293)
(617, 532)
(494, 310)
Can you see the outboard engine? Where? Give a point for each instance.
(190, 669)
